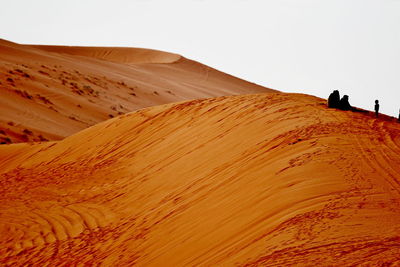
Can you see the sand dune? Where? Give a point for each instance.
(266, 179)
(50, 92)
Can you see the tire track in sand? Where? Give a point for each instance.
(385, 152)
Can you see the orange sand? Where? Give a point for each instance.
(51, 92)
(266, 179)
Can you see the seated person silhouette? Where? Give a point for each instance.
(344, 103)
(333, 100)
(376, 108)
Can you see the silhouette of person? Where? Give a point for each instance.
(376, 108)
(333, 100)
(399, 116)
(344, 103)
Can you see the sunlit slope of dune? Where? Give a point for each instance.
(267, 179)
(50, 92)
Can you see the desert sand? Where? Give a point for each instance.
(50, 92)
(130, 156)
(269, 179)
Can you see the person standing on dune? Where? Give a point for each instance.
(399, 116)
(376, 108)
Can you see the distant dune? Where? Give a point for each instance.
(255, 180)
(51, 92)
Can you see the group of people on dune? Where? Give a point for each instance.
(334, 101)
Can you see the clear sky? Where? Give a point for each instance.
(307, 46)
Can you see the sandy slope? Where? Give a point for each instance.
(50, 92)
(268, 179)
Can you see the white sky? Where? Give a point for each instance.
(307, 46)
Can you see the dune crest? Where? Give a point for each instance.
(254, 180)
(115, 54)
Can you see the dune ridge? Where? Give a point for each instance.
(115, 54)
(267, 179)
(50, 92)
